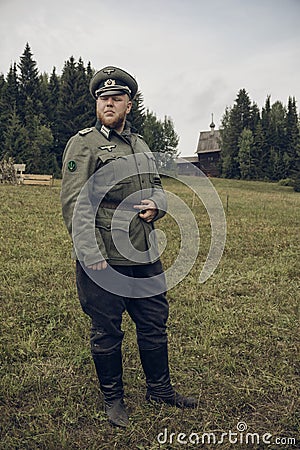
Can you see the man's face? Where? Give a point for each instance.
(112, 110)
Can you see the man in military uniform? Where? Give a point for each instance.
(111, 196)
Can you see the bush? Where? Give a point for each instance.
(296, 184)
(286, 182)
(7, 171)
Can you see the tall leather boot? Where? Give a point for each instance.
(159, 389)
(109, 370)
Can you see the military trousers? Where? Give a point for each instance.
(106, 308)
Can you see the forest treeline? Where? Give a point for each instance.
(40, 112)
(260, 145)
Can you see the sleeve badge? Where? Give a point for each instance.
(72, 166)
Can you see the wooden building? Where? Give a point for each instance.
(208, 151)
(208, 155)
(187, 165)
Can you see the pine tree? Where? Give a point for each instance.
(11, 92)
(293, 144)
(244, 110)
(295, 174)
(266, 169)
(45, 96)
(161, 139)
(137, 113)
(29, 85)
(3, 111)
(84, 105)
(89, 71)
(226, 143)
(53, 121)
(67, 117)
(53, 95)
(153, 131)
(254, 117)
(292, 137)
(32, 114)
(245, 155)
(275, 164)
(259, 143)
(170, 145)
(76, 108)
(43, 145)
(278, 141)
(90, 102)
(16, 140)
(235, 120)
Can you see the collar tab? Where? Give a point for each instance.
(106, 132)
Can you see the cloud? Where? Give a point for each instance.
(190, 58)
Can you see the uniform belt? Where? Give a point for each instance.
(114, 205)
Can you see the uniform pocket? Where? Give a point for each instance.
(114, 169)
(116, 235)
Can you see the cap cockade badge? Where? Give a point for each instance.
(109, 83)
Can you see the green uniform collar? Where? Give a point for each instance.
(107, 132)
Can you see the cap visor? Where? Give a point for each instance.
(110, 92)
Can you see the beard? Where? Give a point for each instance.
(115, 121)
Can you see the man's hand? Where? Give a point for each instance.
(101, 265)
(148, 210)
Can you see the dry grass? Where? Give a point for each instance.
(234, 341)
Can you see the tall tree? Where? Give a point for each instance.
(161, 139)
(243, 110)
(53, 95)
(234, 121)
(45, 97)
(76, 108)
(292, 136)
(259, 144)
(227, 145)
(3, 111)
(266, 126)
(68, 96)
(29, 85)
(277, 139)
(254, 118)
(16, 140)
(245, 155)
(53, 121)
(11, 92)
(153, 131)
(170, 145)
(137, 113)
(9, 95)
(84, 105)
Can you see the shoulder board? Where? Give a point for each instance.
(140, 136)
(85, 131)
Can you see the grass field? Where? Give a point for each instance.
(234, 340)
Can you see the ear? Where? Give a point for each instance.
(129, 106)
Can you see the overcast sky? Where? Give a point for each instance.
(190, 57)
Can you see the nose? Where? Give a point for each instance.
(109, 101)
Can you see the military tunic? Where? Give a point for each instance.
(121, 166)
